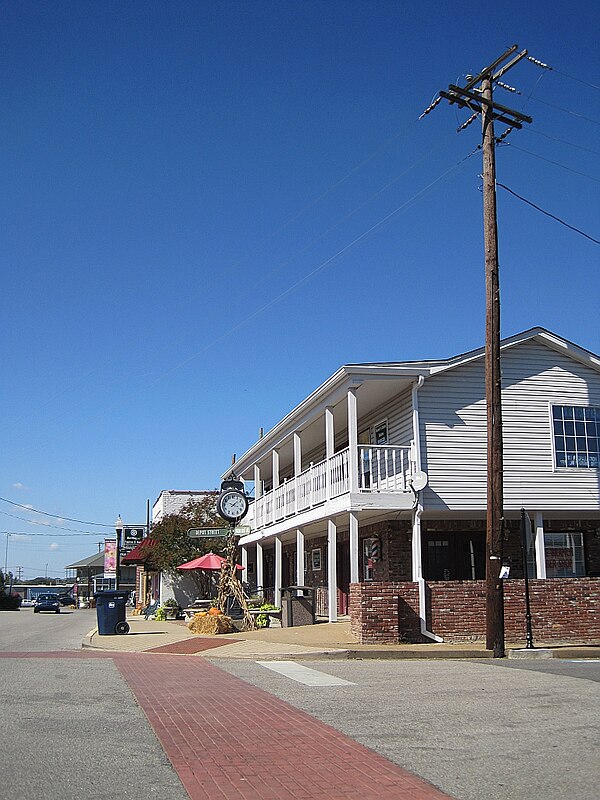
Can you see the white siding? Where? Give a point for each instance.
(453, 429)
(398, 413)
(171, 502)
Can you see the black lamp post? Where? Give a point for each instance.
(525, 539)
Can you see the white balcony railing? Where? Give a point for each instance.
(381, 468)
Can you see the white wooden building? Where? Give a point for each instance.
(338, 483)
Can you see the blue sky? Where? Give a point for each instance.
(177, 179)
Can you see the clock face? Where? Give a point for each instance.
(233, 505)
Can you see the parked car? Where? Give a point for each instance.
(27, 603)
(47, 602)
(67, 600)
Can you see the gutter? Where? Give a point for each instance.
(416, 534)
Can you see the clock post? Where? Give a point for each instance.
(232, 506)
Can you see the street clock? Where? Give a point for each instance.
(232, 504)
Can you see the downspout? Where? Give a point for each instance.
(417, 512)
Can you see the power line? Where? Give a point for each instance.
(266, 306)
(563, 141)
(549, 161)
(565, 110)
(55, 516)
(44, 524)
(531, 96)
(542, 65)
(53, 535)
(548, 214)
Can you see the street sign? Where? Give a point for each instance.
(211, 533)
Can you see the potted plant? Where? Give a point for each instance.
(171, 608)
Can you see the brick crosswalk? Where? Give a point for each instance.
(229, 740)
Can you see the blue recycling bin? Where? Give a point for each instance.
(111, 612)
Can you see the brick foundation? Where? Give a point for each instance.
(563, 610)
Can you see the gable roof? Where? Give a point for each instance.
(405, 372)
(97, 560)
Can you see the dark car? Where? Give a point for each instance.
(66, 600)
(47, 602)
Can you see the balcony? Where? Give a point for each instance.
(382, 469)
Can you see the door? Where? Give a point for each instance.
(343, 576)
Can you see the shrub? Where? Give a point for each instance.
(263, 620)
(10, 602)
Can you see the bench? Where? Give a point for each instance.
(150, 610)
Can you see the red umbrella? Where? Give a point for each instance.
(207, 561)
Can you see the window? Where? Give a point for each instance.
(564, 555)
(316, 559)
(368, 561)
(576, 436)
(380, 432)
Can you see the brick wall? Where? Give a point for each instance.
(563, 610)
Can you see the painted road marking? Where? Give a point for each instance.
(305, 675)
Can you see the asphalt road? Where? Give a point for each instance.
(478, 730)
(71, 727)
(23, 630)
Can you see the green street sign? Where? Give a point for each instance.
(211, 533)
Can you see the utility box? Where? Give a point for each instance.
(297, 606)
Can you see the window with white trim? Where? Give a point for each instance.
(564, 555)
(576, 436)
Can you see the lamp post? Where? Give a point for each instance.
(119, 531)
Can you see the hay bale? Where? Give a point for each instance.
(210, 624)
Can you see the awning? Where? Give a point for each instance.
(140, 553)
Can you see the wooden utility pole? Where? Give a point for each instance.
(494, 617)
(477, 95)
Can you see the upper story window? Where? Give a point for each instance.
(576, 436)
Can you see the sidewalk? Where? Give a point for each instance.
(323, 640)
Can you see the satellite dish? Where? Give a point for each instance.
(419, 481)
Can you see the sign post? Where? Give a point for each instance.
(212, 533)
(525, 539)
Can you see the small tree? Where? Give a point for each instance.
(173, 547)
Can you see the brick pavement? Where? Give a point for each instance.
(229, 740)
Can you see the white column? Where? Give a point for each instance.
(353, 440)
(257, 482)
(297, 454)
(244, 556)
(417, 569)
(329, 433)
(260, 568)
(540, 551)
(299, 557)
(277, 600)
(354, 552)
(297, 467)
(332, 570)
(275, 464)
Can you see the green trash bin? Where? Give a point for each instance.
(111, 612)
